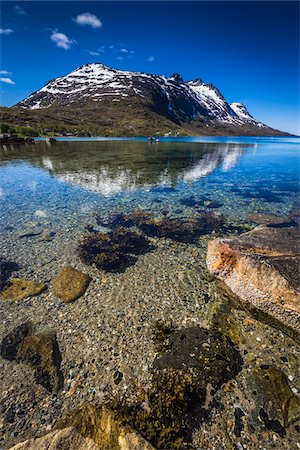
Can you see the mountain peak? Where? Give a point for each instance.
(176, 77)
(97, 86)
(196, 82)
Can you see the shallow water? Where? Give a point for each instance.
(240, 177)
(59, 189)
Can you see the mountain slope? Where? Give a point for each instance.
(109, 101)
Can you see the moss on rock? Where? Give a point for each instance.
(18, 289)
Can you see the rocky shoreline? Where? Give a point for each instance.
(157, 350)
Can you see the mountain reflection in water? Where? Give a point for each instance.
(111, 167)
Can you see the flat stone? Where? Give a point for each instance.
(20, 288)
(262, 268)
(70, 284)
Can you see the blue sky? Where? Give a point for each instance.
(249, 50)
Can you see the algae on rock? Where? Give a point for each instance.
(18, 289)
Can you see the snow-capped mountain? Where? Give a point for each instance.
(171, 97)
(98, 100)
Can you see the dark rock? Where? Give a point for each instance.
(194, 365)
(118, 377)
(212, 356)
(10, 342)
(276, 404)
(39, 349)
(6, 269)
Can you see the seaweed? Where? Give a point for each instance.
(113, 251)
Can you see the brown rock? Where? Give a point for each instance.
(108, 429)
(70, 284)
(65, 439)
(262, 268)
(19, 288)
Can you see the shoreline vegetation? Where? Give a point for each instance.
(56, 122)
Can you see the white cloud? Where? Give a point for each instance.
(120, 58)
(150, 59)
(61, 40)
(5, 72)
(19, 10)
(7, 80)
(88, 19)
(124, 50)
(6, 30)
(92, 53)
(111, 47)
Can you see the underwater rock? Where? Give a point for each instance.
(18, 289)
(6, 270)
(30, 231)
(212, 356)
(178, 229)
(108, 429)
(262, 268)
(70, 284)
(46, 236)
(65, 439)
(194, 365)
(37, 348)
(220, 317)
(276, 404)
(112, 251)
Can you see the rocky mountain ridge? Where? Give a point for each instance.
(114, 102)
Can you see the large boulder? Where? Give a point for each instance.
(262, 268)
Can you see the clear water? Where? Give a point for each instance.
(72, 179)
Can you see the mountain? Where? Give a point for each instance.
(102, 100)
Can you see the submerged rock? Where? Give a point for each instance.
(276, 404)
(220, 317)
(65, 439)
(38, 348)
(179, 229)
(194, 365)
(70, 284)
(262, 268)
(18, 288)
(113, 251)
(6, 269)
(107, 428)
